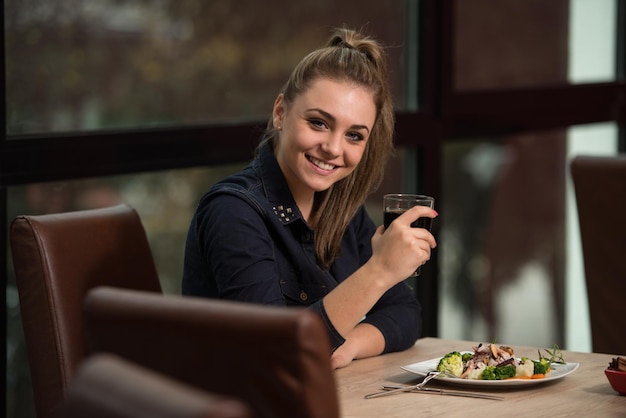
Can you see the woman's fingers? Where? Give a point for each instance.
(413, 214)
(402, 225)
(424, 236)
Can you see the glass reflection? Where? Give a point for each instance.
(533, 43)
(502, 239)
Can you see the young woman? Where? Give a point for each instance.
(291, 229)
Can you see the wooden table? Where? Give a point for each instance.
(584, 393)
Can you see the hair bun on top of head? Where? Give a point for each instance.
(340, 43)
(356, 41)
(343, 38)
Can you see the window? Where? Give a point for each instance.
(533, 43)
(107, 64)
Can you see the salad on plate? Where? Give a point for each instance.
(492, 362)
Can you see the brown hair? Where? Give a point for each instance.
(354, 57)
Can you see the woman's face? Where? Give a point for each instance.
(322, 134)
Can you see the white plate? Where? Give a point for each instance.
(558, 371)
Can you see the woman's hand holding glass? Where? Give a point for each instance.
(400, 249)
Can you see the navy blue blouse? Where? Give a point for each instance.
(249, 242)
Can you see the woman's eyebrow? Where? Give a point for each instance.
(333, 119)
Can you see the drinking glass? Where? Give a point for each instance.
(396, 204)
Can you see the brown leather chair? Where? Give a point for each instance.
(107, 386)
(57, 258)
(277, 360)
(600, 185)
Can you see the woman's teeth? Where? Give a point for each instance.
(321, 164)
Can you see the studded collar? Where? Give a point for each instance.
(275, 186)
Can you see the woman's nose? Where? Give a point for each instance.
(332, 145)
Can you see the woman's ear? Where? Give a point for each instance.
(278, 112)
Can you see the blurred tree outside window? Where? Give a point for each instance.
(102, 64)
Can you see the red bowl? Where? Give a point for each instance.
(617, 380)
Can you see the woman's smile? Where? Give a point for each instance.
(321, 164)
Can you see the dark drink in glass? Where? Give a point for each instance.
(395, 205)
(389, 216)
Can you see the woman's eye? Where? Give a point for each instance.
(317, 123)
(355, 136)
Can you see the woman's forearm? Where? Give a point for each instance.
(349, 302)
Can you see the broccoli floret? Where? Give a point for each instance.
(504, 372)
(489, 373)
(541, 366)
(498, 373)
(467, 357)
(451, 363)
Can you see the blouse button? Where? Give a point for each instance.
(303, 296)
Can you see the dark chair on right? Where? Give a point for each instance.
(600, 185)
(275, 359)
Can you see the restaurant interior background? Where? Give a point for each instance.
(149, 102)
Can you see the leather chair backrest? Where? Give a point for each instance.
(600, 186)
(107, 386)
(57, 258)
(275, 359)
